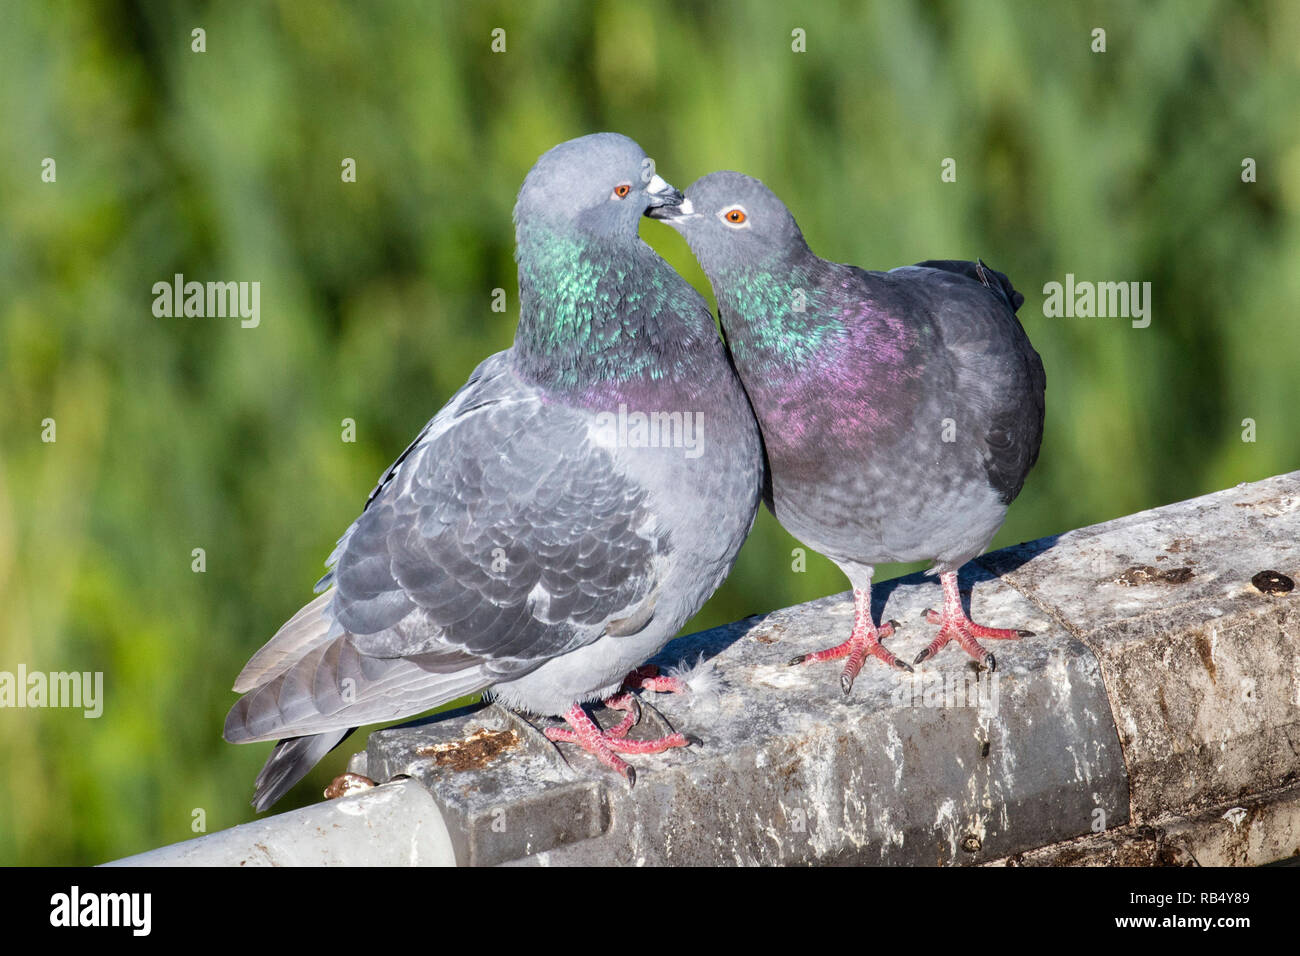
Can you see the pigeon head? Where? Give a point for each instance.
(732, 221)
(596, 304)
(599, 185)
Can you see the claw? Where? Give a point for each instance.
(606, 746)
(864, 641)
(955, 625)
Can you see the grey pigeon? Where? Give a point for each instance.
(901, 411)
(557, 521)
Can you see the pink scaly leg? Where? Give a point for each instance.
(863, 642)
(953, 623)
(605, 747)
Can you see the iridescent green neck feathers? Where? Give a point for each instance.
(774, 318)
(594, 312)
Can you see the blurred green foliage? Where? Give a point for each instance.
(175, 434)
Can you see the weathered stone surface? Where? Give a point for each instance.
(1202, 666)
(937, 767)
(1262, 830)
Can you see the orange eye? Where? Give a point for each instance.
(735, 216)
(621, 191)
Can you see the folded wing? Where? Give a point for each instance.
(503, 537)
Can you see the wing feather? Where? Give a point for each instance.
(500, 538)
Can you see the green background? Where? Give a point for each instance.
(174, 434)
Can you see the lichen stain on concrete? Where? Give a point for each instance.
(1139, 575)
(1205, 650)
(1272, 506)
(475, 751)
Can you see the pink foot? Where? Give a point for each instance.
(955, 625)
(605, 746)
(862, 643)
(647, 678)
(629, 703)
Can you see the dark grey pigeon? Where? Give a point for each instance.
(900, 411)
(557, 522)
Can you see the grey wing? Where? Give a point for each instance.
(996, 363)
(989, 278)
(1015, 432)
(503, 538)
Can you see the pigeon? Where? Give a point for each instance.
(900, 411)
(557, 522)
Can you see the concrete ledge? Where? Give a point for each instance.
(946, 765)
(1202, 667)
(1154, 718)
(1265, 829)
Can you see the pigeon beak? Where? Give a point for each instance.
(675, 214)
(661, 197)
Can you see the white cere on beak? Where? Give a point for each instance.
(687, 208)
(658, 186)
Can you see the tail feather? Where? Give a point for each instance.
(290, 761)
(336, 686)
(309, 687)
(306, 630)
